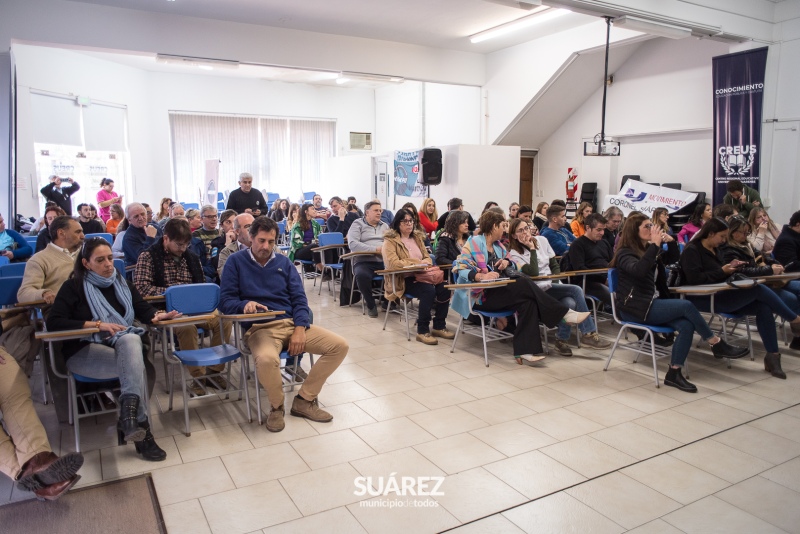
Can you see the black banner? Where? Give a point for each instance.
(738, 81)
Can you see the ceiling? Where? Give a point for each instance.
(570, 87)
(439, 23)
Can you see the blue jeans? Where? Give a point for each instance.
(683, 317)
(790, 295)
(123, 361)
(431, 298)
(572, 297)
(759, 301)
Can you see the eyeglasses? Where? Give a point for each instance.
(407, 221)
(210, 216)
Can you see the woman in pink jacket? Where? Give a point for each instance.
(701, 214)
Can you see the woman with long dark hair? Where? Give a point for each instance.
(304, 237)
(452, 239)
(97, 296)
(280, 209)
(702, 213)
(43, 238)
(540, 216)
(642, 296)
(702, 263)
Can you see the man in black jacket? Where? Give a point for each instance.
(456, 204)
(89, 225)
(340, 219)
(787, 246)
(591, 251)
(60, 195)
(246, 199)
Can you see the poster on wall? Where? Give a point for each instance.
(407, 181)
(738, 82)
(211, 182)
(639, 196)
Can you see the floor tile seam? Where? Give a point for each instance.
(617, 470)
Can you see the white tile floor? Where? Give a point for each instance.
(560, 447)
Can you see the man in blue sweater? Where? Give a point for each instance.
(556, 231)
(257, 280)
(139, 236)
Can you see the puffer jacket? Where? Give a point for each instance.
(732, 252)
(396, 256)
(640, 281)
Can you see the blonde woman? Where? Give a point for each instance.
(163, 211)
(578, 228)
(428, 216)
(764, 231)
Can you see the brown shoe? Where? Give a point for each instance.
(592, 339)
(310, 410)
(217, 382)
(54, 491)
(275, 419)
(444, 333)
(46, 468)
(427, 338)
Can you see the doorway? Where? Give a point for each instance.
(526, 180)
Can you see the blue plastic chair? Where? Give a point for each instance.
(325, 240)
(271, 198)
(9, 288)
(12, 269)
(106, 236)
(191, 205)
(119, 265)
(4, 260)
(31, 239)
(309, 196)
(200, 299)
(645, 345)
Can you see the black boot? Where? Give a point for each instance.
(675, 379)
(148, 447)
(772, 364)
(723, 349)
(795, 344)
(127, 427)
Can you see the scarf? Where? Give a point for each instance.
(105, 312)
(473, 258)
(6, 241)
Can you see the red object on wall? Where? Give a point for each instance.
(572, 183)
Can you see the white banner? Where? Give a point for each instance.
(211, 182)
(638, 196)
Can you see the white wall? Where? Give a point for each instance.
(398, 117)
(659, 106)
(452, 114)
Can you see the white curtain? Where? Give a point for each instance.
(197, 138)
(311, 143)
(275, 156)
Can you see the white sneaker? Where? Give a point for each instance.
(575, 317)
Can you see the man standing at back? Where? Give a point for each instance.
(366, 235)
(60, 195)
(246, 199)
(555, 233)
(168, 263)
(89, 225)
(257, 280)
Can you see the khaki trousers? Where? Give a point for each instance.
(187, 340)
(27, 435)
(267, 340)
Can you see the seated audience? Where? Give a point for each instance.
(291, 218)
(534, 257)
(577, 224)
(660, 220)
(44, 237)
(366, 235)
(702, 213)
(701, 263)
(194, 218)
(642, 296)
(37, 226)
(280, 210)
(25, 453)
(241, 229)
(540, 217)
(456, 204)
(741, 197)
(12, 245)
(96, 296)
(163, 211)
(341, 219)
(246, 198)
(304, 237)
(89, 224)
(56, 192)
(168, 263)
(412, 209)
(96, 217)
(387, 216)
(555, 232)
(787, 245)
(724, 212)
(452, 238)
(738, 248)
(484, 259)
(208, 231)
(591, 251)
(139, 235)
(429, 217)
(257, 280)
(175, 210)
(513, 208)
(48, 269)
(351, 203)
(525, 213)
(320, 211)
(226, 237)
(613, 217)
(116, 217)
(404, 246)
(764, 233)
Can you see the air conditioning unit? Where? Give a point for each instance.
(360, 141)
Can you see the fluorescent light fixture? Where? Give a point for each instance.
(367, 77)
(652, 27)
(340, 80)
(540, 15)
(520, 4)
(201, 62)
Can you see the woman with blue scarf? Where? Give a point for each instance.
(96, 296)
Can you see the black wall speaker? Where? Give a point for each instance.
(431, 159)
